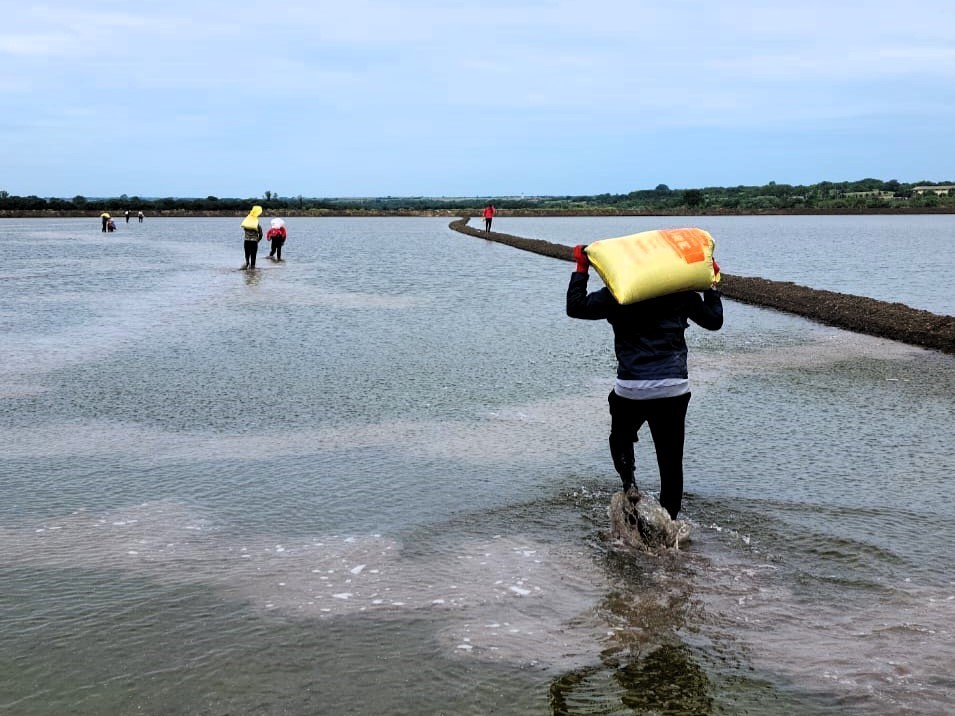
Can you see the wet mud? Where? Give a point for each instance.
(859, 314)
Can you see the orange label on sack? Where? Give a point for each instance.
(689, 244)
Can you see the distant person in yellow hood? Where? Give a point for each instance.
(253, 235)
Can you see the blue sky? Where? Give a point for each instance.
(448, 98)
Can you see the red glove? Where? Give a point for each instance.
(583, 263)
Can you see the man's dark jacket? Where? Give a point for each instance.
(648, 335)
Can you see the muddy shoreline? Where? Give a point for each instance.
(859, 314)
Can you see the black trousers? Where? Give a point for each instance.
(667, 420)
(251, 248)
(276, 249)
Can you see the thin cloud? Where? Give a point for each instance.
(548, 89)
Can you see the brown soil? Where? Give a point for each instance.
(895, 321)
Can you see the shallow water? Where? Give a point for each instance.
(890, 258)
(373, 478)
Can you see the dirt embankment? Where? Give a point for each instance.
(895, 321)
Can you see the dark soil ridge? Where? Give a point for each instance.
(858, 314)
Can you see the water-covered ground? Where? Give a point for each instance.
(373, 479)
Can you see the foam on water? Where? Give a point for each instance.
(115, 322)
(507, 598)
(484, 441)
(518, 599)
(305, 296)
(876, 649)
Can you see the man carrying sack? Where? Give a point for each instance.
(652, 384)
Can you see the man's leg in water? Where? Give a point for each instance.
(667, 421)
(625, 420)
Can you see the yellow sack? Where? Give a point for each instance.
(252, 220)
(655, 263)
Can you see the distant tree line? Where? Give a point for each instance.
(865, 194)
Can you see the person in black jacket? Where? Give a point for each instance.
(652, 384)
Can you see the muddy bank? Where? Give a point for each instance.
(895, 321)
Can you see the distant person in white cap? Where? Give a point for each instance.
(276, 235)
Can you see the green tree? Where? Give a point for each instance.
(693, 198)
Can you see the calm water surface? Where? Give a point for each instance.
(891, 258)
(373, 479)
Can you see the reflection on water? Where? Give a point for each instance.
(374, 479)
(667, 679)
(252, 277)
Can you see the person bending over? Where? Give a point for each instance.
(276, 235)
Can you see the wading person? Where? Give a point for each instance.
(252, 233)
(652, 384)
(276, 236)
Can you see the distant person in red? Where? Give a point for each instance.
(276, 235)
(488, 216)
